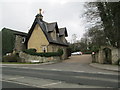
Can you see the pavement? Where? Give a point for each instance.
(106, 67)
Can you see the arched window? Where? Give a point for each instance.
(23, 40)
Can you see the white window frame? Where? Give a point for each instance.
(23, 40)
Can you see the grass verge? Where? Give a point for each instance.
(17, 63)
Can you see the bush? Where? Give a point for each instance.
(47, 54)
(60, 52)
(11, 58)
(69, 52)
(87, 52)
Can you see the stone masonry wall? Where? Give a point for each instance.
(28, 58)
(19, 46)
(115, 55)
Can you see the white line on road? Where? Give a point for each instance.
(54, 69)
(24, 67)
(15, 78)
(2, 66)
(79, 71)
(51, 84)
(97, 78)
(65, 70)
(38, 68)
(21, 83)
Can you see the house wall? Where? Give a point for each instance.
(38, 40)
(54, 48)
(19, 44)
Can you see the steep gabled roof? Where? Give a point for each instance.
(63, 31)
(45, 28)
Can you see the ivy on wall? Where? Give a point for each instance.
(8, 40)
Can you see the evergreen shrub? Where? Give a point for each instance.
(42, 54)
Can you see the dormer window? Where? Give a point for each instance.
(53, 35)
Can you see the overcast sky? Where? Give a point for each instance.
(19, 15)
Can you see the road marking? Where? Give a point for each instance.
(79, 71)
(99, 72)
(51, 84)
(64, 70)
(2, 66)
(59, 70)
(97, 78)
(37, 68)
(54, 69)
(96, 73)
(15, 78)
(21, 83)
(24, 67)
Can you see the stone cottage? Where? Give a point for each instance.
(46, 37)
(42, 36)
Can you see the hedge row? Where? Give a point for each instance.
(87, 52)
(47, 54)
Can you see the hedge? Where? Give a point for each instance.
(87, 52)
(47, 54)
(31, 50)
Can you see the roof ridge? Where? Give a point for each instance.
(52, 22)
(14, 30)
(62, 28)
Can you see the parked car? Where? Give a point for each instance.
(76, 53)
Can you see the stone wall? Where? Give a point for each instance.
(115, 55)
(19, 44)
(28, 58)
(54, 48)
(100, 56)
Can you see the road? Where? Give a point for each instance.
(72, 73)
(9, 84)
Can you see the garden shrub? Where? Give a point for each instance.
(87, 52)
(31, 50)
(60, 52)
(47, 54)
(69, 51)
